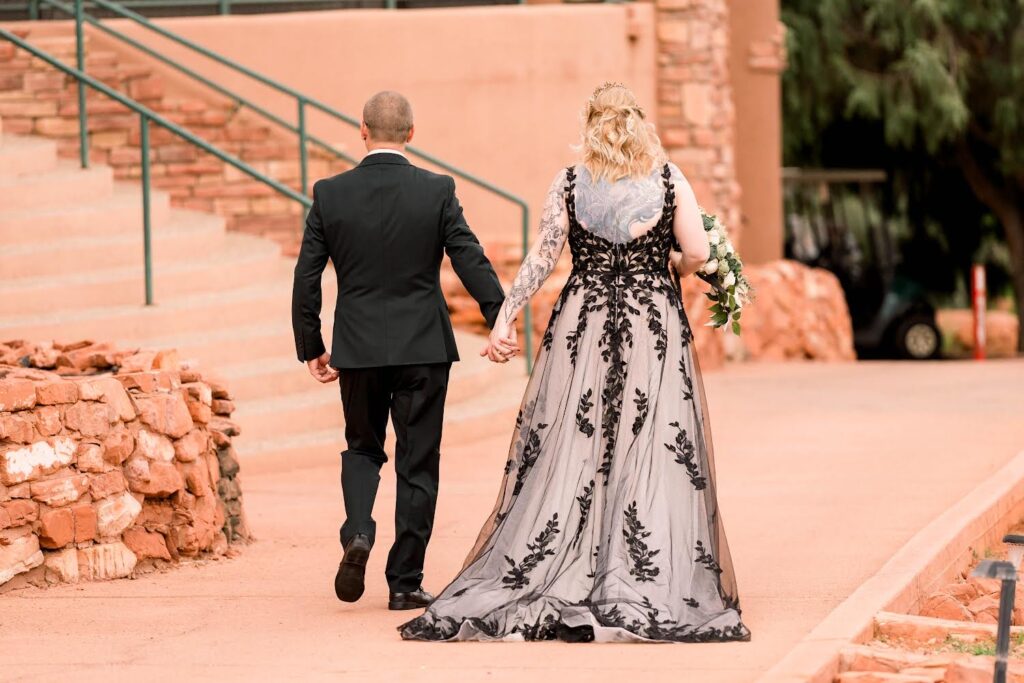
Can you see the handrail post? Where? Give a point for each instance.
(225, 6)
(391, 4)
(527, 313)
(303, 170)
(83, 116)
(147, 241)
(33, 9)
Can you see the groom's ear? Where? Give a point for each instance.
(412, 131)
(364, 130)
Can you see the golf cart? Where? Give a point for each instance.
(834, 221)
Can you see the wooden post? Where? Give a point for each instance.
(978, 303)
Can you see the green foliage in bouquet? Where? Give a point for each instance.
(730, 291)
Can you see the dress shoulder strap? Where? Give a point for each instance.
(668, 212)
(570, 192)
(670, 189)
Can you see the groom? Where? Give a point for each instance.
(386, 225)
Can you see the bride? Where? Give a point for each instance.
(606, 526)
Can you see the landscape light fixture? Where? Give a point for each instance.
(1015, 543)
(1006, 572)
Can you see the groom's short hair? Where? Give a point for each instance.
(388, 115)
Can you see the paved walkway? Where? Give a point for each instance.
(824, 472)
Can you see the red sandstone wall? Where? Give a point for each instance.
(757, 57)
(695, 106)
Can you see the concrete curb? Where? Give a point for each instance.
(931, 557)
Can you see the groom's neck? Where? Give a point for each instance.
(395, 146)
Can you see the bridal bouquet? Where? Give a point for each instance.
(730, 290)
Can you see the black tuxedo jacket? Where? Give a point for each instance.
(386, 225)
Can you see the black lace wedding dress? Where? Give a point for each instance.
(607, 525)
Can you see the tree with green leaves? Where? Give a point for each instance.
(941, 80)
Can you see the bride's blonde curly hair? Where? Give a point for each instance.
(618, 141)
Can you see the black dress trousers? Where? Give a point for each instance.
(413, 396)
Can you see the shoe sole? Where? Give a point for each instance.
(349, 582)
(406, 605)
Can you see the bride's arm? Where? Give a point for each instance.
(554, 228)
(688, 227)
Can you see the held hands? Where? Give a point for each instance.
(502, 344)
(321, 369)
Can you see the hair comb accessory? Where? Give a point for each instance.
(607, 85)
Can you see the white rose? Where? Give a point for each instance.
(711, 267)
(723, 267)
(729, 280)
(714, 237)
(728, 248)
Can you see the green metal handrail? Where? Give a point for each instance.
(84, 18)
(147, 116)
(302, 100)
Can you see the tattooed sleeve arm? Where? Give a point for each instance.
(554, 228)
(687, 225)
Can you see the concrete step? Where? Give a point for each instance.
(466, 423)
(188, 234)
(258, 303)
(119, 213)
(282, 372)
(238, 261)
(26, 156)
(65, 185)
(266, 335)
(262, 341)
(318, 409)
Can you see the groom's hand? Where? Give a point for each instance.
(321, 369)
(502, 344)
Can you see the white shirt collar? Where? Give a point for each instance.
(386, 151)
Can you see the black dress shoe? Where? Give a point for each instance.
(417, 599)
(348, 583)
(575, 634)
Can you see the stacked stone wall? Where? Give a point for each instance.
(112, 462)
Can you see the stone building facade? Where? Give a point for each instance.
(718, 98)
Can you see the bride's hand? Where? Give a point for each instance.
(502, 344)
(675, 259)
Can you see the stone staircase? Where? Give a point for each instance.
(36, 99)
(71, 268)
